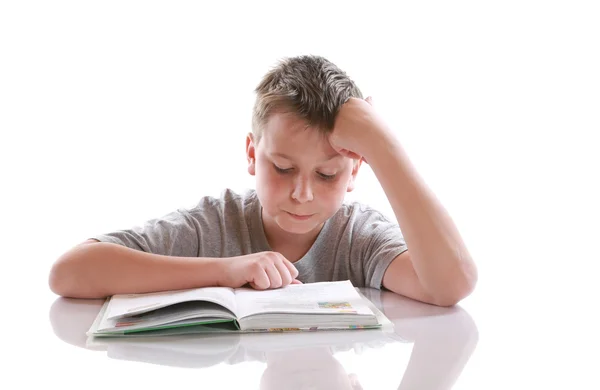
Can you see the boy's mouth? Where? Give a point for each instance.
(301, 217)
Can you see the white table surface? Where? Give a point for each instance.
(428, 348)
(512, 344)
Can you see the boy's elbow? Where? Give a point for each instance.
(58, 280)
(55, 284)
(459, 290)
(62, 280)
(450, 299)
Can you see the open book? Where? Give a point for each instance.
(296, 307)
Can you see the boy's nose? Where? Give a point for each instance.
(302, 191)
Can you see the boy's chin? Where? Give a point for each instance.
(297, 227)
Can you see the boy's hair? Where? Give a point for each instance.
(309, 86)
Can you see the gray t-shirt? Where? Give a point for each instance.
(357, 243)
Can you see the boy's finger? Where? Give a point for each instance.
(291, 267)
(349, 154)
(296, 281)
(274, 276)
(284, 273)
(261, 281)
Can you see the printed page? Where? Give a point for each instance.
(133, 304)
(318, 298)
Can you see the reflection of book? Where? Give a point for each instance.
(233, 348)
(297, 307)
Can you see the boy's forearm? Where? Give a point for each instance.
(437, 251)
(102, 269)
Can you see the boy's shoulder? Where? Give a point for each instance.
(227, 197)
(229, 203)
(356, 209)
(361, 218)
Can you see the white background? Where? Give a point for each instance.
(115, 112)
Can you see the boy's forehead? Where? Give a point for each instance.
(287, 134)
(285, 124)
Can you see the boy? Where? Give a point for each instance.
(311, 131)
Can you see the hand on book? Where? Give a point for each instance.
(263, 270)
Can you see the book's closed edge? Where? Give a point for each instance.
(386, 325)
(94, 327)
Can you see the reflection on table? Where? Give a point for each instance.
(442, 341)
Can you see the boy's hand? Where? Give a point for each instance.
(261, 270)
(357, 127)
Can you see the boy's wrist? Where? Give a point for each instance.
(211, 271)
(383, 142)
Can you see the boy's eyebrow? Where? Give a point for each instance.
(283, 155)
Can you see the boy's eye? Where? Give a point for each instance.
(282, 170)
(326, 177)
(289, 170)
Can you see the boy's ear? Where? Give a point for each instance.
(251, 154)
(352, 181)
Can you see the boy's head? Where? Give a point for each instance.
(311, 87)
(300, 179)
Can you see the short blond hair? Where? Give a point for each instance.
(308, 86)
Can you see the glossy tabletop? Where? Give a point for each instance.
(428, 348)
(495, 341)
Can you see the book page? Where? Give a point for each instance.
(133, 304)
(179, 314)
(314, 298)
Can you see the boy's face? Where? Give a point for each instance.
(300, 179)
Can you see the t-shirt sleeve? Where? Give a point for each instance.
(174, 234)
(380, 241)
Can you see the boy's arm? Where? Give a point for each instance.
(101, 269)
(437, 268)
